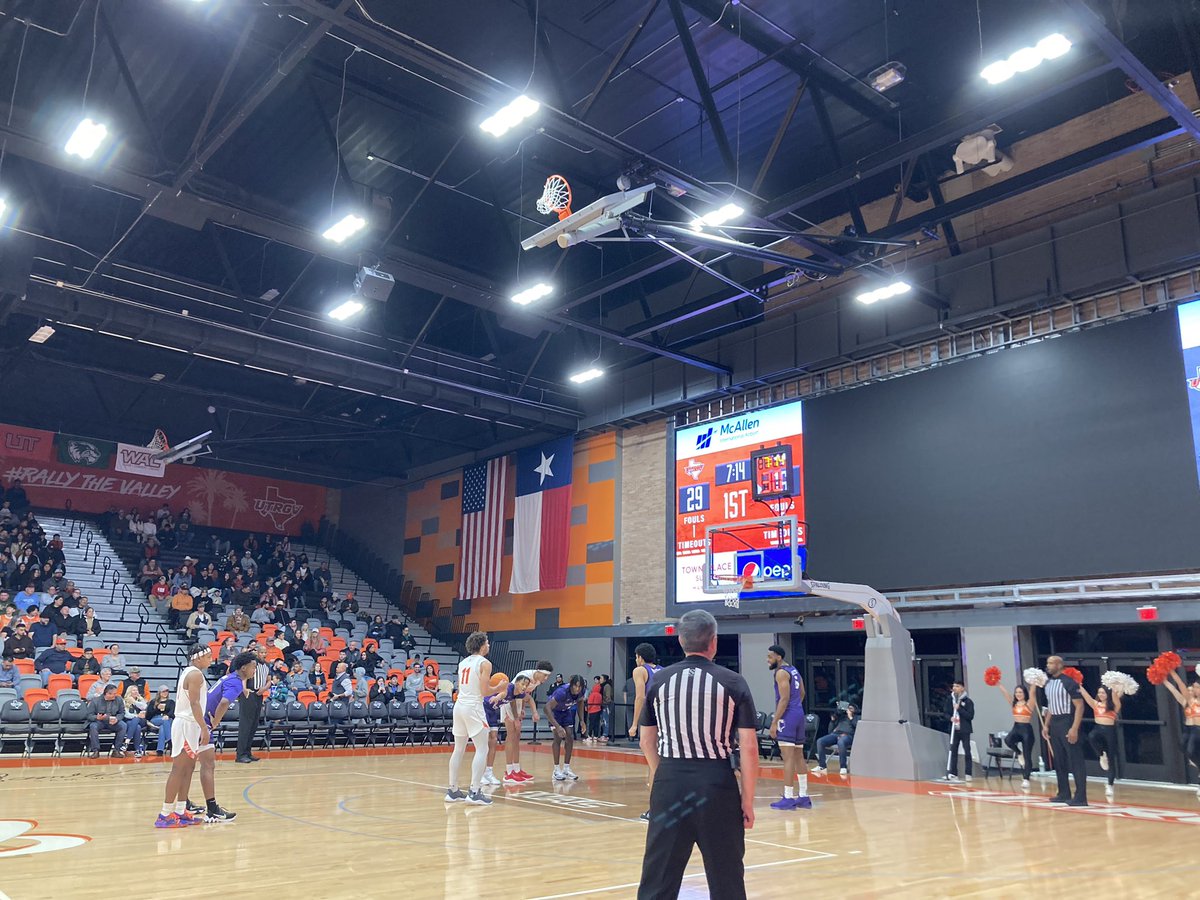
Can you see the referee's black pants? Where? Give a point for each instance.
(694, 803)
(1068, 758)
(249, 709)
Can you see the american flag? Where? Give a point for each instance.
(482, 528)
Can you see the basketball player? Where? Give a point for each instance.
(190, 740)
(470, 720)
(518, 687)
(787, 727)
(513, 713)
(643, 674)
(560, 710)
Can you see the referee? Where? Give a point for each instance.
(693, 713)
(251, 706)
(1060, 729)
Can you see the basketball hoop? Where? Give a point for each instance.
(556, 197)
(159, 443)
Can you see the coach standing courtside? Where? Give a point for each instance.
(1064, 714)
(694, 711)
(251, 706)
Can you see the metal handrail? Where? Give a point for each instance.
(160, 632)
(126, 597)
(95, 551)
(104, 569)
(143, 619)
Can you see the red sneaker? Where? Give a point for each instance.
(523, 775)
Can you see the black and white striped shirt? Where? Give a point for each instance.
(261, 677)
(1060, 690)
(697, 707)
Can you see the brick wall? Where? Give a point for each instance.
(643, 576)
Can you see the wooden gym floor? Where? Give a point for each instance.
(366, 825)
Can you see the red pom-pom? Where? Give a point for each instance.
(1074, 674)
(991, 676)
(1156, 674)
(1171, 660)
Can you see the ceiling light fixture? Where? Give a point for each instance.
(157, 376)
(510, 116)
(532, 293)
(345, 310)
(895, 289)
(86, 139)
(342, 231)
(719, 217)
(587, 375)
(1050, 47)
(42, 335)
(888, 76)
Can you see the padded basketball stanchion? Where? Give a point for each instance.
(890, 741)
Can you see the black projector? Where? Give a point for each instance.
(373, 284)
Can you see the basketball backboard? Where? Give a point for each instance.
(597, 218)
(755, 556)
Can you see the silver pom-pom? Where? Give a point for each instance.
(1119, 682)
(1035, 677)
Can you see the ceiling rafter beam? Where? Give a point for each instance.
(622, 54)
(127, 79)
(701, 80)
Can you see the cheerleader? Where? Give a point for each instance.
(1103, 738)
(1189, 698)
(1021, 733)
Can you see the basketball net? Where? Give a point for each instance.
(159, 441)
(743, 582)
(556, 197)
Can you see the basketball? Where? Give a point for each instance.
(499, 679)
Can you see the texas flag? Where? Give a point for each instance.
(542, 517)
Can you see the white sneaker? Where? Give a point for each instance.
(567, 771)
(820, 770)
(952, 778)
(560, 776)
(1104, 762)
(844, 771)
(970, 778)
(1108, 791)
(1025, 783)
(489, 778)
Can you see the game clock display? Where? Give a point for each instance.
(772, 468)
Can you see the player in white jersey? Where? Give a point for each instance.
(512, 715)
(189, 737)
(470, 720)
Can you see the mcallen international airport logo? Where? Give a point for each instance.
(279, 509)
(704, 440)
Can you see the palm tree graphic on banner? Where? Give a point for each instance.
(209, 487)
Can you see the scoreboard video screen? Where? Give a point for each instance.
(718, 481)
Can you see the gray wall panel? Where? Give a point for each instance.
(1163, 232)
(1024, 268)
(1065, 458)
(1090, 252)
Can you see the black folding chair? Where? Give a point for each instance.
(15, 725)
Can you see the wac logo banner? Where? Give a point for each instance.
(135, 460)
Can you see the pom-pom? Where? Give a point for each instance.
(1035, 677)
(1156, 674)
(1171, 660)
(1119, 682)
(991, 676)
(1074, 674)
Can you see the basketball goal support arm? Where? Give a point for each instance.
(877, 606)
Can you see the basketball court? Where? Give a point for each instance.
(375, 825)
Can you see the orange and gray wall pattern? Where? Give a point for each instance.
(433, 533)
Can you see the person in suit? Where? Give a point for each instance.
(962, 711)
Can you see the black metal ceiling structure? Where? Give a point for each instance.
(184, 269)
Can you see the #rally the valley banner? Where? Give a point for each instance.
(94, 475)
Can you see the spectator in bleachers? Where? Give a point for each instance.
(135, 679)
(100, 686)
(407, 642)
(430, 681)
(341, 685)
(54, 661)
(151, 571)
(249, 566)
(163, 512)
(57, 583)
(225, 657)
(15, 497)
(182, 580)
(353, 656)
(134, 520)
(20, 645)
(281, 616)
(116, 660)
(316, 645)
(135, 719)
(181, 606)
(106, 712)
(57, 613)
(319, 679)
(291, 637)
(198, 619)
(168, 535)
(414, 683)
(44, 631)
(149, 530)
(348, 604)
(378, 629)
(362, 684)
(10, 675)
(160, 593)
(279, 691)
(263, 615)
(28, 595)
(387, 691)
(372, 661)
(324, 610)
(184, 535)
(298, 679)
(86, 664)
(238, 621)
(150, 546)
(160, 711)
(32, 614)
(216, 546)
(87, 625)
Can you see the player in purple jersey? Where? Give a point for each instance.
(560, 710)
(517, 689)
(787, 728)
(647, 667)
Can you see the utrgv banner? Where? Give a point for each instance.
(221, 499)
